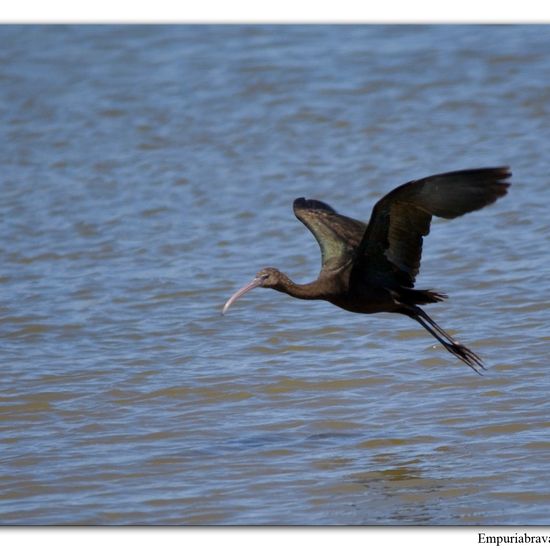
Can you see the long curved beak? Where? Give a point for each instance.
(257, 281)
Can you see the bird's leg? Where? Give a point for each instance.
(449, 343)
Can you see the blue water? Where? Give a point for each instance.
(149, 171)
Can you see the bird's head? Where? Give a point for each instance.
(268, 277)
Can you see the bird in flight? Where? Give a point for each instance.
(371, 268)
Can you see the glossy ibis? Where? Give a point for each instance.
(371, 268)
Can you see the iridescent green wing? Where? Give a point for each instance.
(338, 236)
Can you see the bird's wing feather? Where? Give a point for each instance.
(391, 246)
(338, 236)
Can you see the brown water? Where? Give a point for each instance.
(147, 172)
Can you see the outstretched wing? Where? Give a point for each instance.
(338, 236)
(391, 247)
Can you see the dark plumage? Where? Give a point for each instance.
(371, 268)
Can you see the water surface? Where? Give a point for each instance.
(149, 171)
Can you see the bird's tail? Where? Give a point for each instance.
(412, 296)
(449, 343)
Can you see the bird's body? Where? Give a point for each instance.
(371, 268)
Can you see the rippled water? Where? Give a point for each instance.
(147, 172)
